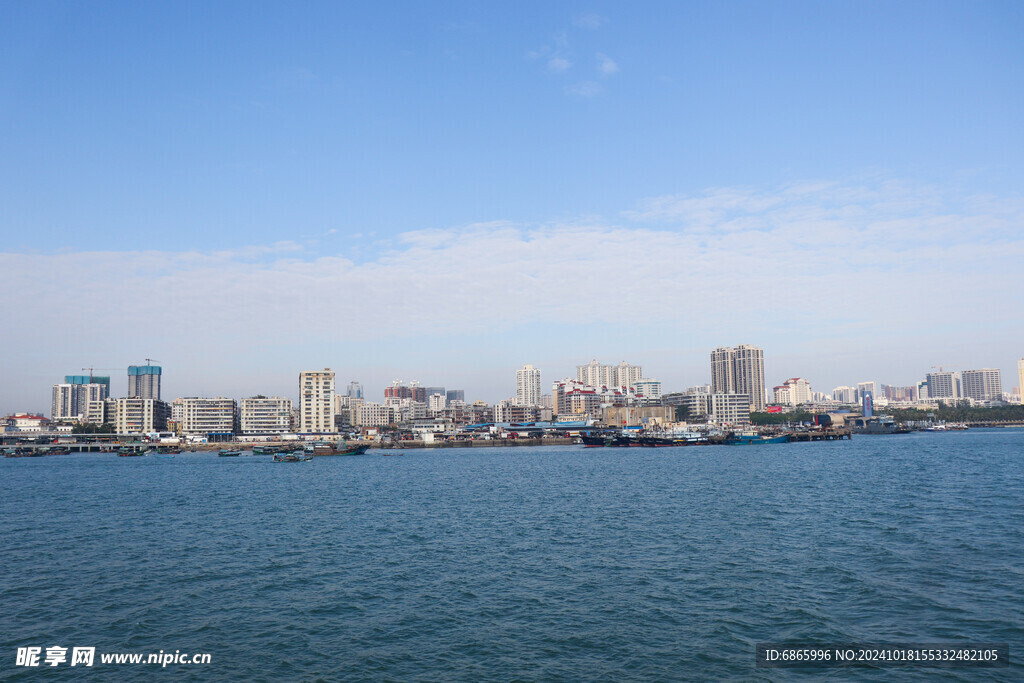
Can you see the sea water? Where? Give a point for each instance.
(544, 563)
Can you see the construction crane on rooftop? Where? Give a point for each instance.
(101, 370)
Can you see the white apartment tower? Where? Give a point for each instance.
(316, 402)
(739, 370)
(793, 391)
(982, 385)
(528, 390)
(598, 375)
(1020, 379)
(71, 401)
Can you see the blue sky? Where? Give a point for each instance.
(445, 191)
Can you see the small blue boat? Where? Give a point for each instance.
(754, 440)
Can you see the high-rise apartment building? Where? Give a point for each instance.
(71, 401)
(739, 370)
(844, 394)
(865, 388)
(899, 393)
(597, 375)
(316, 402)
(414, 391)
(1020, 379)
(144, 381)
(943, 385)
(88, 379)
(355, 389)
(528, 389)
(982, 385)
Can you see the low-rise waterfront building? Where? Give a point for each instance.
(513, 411)
(263, 415)
(140, 415)
(346, 412)
(792, 392)
(101, 412)
(28, 423)
(372, 414)
(730, 410)
(202, 416)
(695, 403)
(621, 416)
(648, 388)
(436, 403)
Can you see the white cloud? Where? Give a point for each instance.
(590, 21)
(851, 262)
(585, 89)
(606, 66)
(558, 64)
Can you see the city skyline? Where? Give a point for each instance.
(373, 395)
(445, 193)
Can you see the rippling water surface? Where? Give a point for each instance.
(517, 564)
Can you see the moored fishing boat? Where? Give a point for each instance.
(226, 453)
(291, 457)
(332, 449)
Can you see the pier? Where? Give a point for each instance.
(828, 434)
(822, 435)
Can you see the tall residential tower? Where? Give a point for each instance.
(528, 386)
(1020, 379)
(739, 370)
(316, 402)
(144, 381)
(982, 385)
